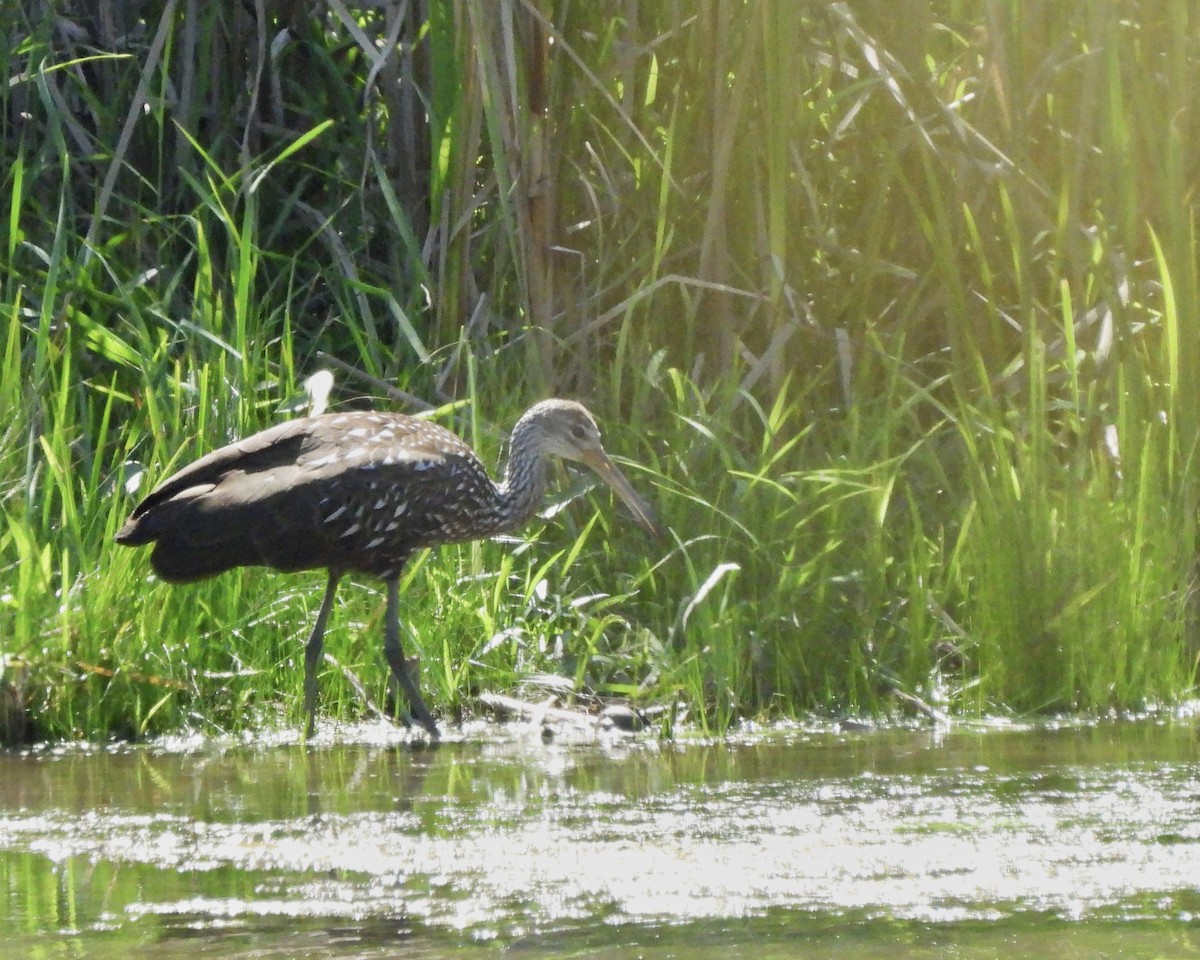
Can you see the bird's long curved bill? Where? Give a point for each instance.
(598, 461)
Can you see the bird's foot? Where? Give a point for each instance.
(409, 706)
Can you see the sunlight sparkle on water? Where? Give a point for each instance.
(570, 833)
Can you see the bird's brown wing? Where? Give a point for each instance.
(274, 447)
(317, 492)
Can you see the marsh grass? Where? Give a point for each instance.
(893, 318)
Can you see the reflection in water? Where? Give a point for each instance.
(499, 839)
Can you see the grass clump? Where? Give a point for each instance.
(894, 317)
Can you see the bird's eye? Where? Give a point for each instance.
(578, 432)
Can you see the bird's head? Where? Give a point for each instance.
(566, 429)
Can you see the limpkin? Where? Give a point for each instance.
(357, 492)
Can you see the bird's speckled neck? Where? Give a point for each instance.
(525, 478)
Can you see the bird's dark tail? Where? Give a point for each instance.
(135, 533)
(195, 538)
(185, 550)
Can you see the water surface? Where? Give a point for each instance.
(1050, 840)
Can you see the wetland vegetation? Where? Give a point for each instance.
(895, 319)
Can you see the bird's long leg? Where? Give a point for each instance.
(312, 654)
(395, 658)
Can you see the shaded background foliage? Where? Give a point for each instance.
(737, 180)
